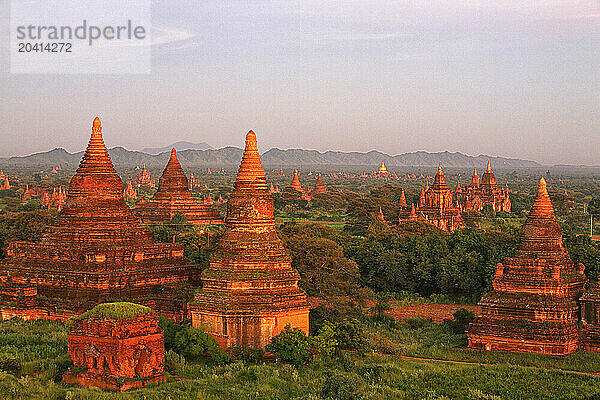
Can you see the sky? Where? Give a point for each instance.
(514, 78)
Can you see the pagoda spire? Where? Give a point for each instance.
(380, 215)
(251, 174)
(475, 178)
(403, 199)
(296, 182)
(489, 168)
(96, 158)
(440, 180)
(542, 207)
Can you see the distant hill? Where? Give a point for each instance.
(179, 146)
(230, 157)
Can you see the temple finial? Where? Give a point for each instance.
(96, 126)
(489, 168)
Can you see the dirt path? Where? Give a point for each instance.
(593, 374)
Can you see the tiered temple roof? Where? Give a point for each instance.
(173, 196)
(533, 306)
(96, 251)
(250, 291)
(476, 195)
(436, 206)
(144, 179)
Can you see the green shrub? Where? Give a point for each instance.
(291, 345)
(10, 364)
(170, 329)
(324, 342)
(193, 343)
(246, 354)
(417, 323)
(173, 361)
(350, 335)
(340, 387)
(461, 321)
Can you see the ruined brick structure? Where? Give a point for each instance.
(173, 196)
(533, 305)
(436, 205)
(250, 291)
(590, 319)
(96, 251)
(478, 194)
(116, 352)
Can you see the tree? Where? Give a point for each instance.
(291, 345)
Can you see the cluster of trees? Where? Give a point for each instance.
(459, 264)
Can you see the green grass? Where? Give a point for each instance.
(117, 310)
(423, 338)
(375, 376)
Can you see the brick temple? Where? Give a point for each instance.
(250, 291)
(478, 193)
(116, 346)
(144, 179)
(295, 189)
(436, 205)
(96, 251)
(319, 187)
(383, 171)
(533, 305)
(174, 196)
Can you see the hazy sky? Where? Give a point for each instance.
(517, 78)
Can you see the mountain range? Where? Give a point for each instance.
(230, 157)
(179, 146)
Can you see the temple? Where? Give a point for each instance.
(477, 195)
(319, 187)
(129, 193)
(250, 290)
(533, 305)
(116, 346)
(436, 206)
(96, 251)
(144, 179)
(295, 188)
(173, 196)
(383, 170)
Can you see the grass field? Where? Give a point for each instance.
(41, 346)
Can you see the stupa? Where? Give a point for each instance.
(173, 196)
(402, 202)
(129, 193)
(319, 187)
(96, 251)
(383, 170)
(533, 304)
(249, 291)
(295, 188)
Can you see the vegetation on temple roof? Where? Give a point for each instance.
(119, 310)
